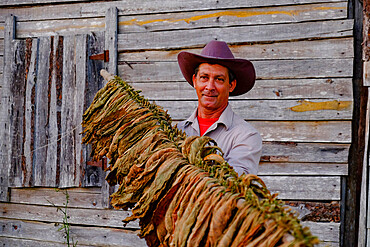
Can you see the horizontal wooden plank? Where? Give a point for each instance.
(305, 131)
(185, 20)
(323, 48)
(59, 27)
(232, 17)
(93, 236)
(197, 20)
(77, 216)
(304, 152)
(18, 242)
(265, 69)
(31, 2)
(78, 197)
(325, 88)
(37, 231)
(271, 109)
(269, 33)
(327, 232)
(132, 7)
(308, 169)
(304, 187)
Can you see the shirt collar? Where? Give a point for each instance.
(226, 118)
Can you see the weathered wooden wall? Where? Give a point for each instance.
(301, 104)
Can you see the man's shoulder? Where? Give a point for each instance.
(239, 124)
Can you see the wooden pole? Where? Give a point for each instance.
(5, 97)
(111, 31)
(364, 219)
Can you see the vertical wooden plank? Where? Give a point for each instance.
(111, 32)
(17, 113)
(81, 67)
(93, 174)
(73, 157)
(29, 114)
(364, 217)
(68, 129)
(5, 148)
(41, 170)
(52, 152)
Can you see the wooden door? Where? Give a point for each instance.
(48, 83)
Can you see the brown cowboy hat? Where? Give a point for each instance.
(218, 52)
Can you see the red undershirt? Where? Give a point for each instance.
(205, 123)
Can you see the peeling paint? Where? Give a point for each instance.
(317, 106)
(235, 13)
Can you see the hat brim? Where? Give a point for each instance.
(242, 69)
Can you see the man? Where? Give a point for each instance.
(215, 74)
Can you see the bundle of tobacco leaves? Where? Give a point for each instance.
(180, 188)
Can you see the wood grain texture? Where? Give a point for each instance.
(319, 229)
(304, 187)
(232, 17)
(304, 152)
(271, 109)
(304, 131)
(5, 103)
(16, 113)
(80, 216)
(322, 48)
(78, 197)
(93, 175)
(93, 236)
(266, 69)
(44, 173)
(110, 44)
(306, 169)
(68, 129)
(74, 83)
(269, 33)
(325, 88)
(81, 80)
(18, 242)
(29, 115)
(111, 39)
(131, 7)
(327, 232)
(364, 218)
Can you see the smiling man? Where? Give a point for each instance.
(216, 74)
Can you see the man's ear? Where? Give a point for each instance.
(194, 78)
(232, 86)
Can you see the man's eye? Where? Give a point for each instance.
(220, 79)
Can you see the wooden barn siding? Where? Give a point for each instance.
(308, 145)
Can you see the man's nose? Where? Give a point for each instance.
(210, 84)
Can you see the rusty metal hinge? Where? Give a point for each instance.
(101, 56)
(100, 163)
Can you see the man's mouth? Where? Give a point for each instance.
(209, 95)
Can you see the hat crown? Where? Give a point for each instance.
(217, 49)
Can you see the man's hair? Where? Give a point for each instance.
(231, 74)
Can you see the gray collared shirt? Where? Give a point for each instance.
(240, 141)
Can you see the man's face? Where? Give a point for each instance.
(213, 87)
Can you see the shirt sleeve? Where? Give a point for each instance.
(245, 154)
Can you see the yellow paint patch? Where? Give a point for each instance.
(317, 106)
(235, 13)
(1, 28)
